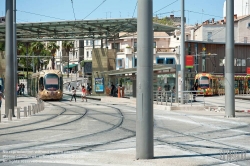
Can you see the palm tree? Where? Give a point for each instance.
(52, 47)
(37, 48)
(68, 45)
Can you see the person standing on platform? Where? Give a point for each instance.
(1, 97)
(112, 93)
(195, 88)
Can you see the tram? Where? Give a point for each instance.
(211, 84)
(46, 85)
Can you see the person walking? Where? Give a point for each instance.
(84, 93)
(1, 96)
(73, 94)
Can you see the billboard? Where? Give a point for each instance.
(99, 84)
(189, 61)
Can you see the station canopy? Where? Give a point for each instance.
(79, 29)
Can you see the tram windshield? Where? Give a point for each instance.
(204, 82)
(51, 82)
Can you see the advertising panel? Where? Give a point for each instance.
(99, 84)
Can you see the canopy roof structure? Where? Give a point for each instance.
(79, 29)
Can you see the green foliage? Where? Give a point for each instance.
(68, 45)
(52, 47)
(82, 62)
(164, 21)
(2, 46)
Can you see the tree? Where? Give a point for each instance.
(2, 46)
(52, 47)
(37, 48)
(67, 46)
(164, 21)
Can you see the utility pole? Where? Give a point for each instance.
(144, 104)
(182, 51)
(15, 56)
(229, 66)
(9, 72)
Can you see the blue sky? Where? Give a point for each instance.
(36, 10)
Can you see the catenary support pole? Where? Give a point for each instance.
(9, 71)
(182, 51)
(229, 66)
(15, 55)
(144, 104)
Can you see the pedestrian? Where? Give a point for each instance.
(77, 84)
(73, 94)
(90, 90)
(1, 97)
(112, 89)
(195, 88)
(69, 87)
(23, 86)
(84, 93)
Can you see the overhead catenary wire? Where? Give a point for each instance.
(95, 9)
(73, 9)
(165, 6)
(135, 9)
(40, 15)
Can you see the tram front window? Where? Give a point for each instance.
(51, 82)
(204, 82)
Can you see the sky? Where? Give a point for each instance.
(196, 11)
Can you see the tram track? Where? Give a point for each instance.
(51, 126)
(114, 126)
(164, 142)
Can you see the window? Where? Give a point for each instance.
(91, 54)
(209, 36)
(170, 61)
(134, 62)
(245, 39)
(135, 46)
(222, 62)
(87, 54)
(160, 61)
(116, 46)
(243, 62)
(154, 45)
(87, 42)
(76, 54)
(238, 62)
(119, 63)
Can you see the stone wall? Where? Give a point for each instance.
(103, 60)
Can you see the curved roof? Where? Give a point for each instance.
(79, 29)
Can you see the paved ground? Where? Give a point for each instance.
(103, 133)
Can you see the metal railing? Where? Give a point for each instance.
(165, 97)
(190, 96)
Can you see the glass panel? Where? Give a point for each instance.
(51, 82)
(236, 84)
(160, 61)
(204, 82)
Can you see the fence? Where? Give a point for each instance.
(165, 97)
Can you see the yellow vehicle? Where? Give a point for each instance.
(46, 85)
(211, 84)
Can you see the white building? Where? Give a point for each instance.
(241, 7)
(216, 31)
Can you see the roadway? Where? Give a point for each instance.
(103, 133)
